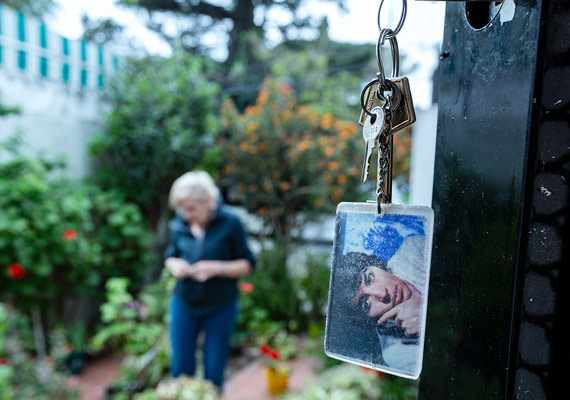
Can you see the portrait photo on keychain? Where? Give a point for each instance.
(378, 289)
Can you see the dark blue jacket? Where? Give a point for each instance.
(225, 240)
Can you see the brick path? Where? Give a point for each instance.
(248, 383)
(96, 377)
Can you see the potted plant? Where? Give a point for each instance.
(276, 346)
(276, 370)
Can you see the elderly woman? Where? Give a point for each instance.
(208, 253)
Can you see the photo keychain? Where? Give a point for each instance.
(382, 251)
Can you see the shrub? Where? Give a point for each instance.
(287, 163)
(133, 326)
(275, 298)
(161, 124)
(61, 239)
(183, 388)
(314, 285)
(22, 377)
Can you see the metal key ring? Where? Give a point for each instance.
(372, 82)
(395, 91)
(394, 49)
(393, 86)
(400, 23)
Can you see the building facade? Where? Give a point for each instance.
(56, 83)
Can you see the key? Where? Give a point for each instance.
(372, 129)
(404, 114)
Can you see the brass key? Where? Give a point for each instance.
(404, 114)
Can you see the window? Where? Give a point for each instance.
(43, 36)
(65, 46)
(21, 27)
(43, 67)
(83, 77)
(65, 73)
(83, 51)
(22, 59)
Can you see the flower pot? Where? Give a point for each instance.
(277, 380)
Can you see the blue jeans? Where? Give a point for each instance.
(218, 327)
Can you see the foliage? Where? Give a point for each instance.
(395, 388)
(330, 83)
(100, 31)
(288, 163)
(138, 329)
(183, 388)
(344, 382)
(321, 78)
(213, 16)
(275, 300)
(60, 239)
(314, 348)
(7, 110)
(21, 376)
(132, 326)
(280, 341)
(162, 124)
(314, 285)
(37, 8)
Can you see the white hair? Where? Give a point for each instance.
(197, 185)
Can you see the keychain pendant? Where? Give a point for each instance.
(379, 286)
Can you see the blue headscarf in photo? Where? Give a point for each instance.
(388, 233)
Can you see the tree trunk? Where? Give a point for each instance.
(239, 47)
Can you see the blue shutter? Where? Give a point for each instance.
(43, 67)
(22, 59)
(83, 51)
(21, 27)
(65, 73)
(43, 36)
(65, 68)
(65, 46)
(21, 38)
(83, 77)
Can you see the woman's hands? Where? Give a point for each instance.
(203, 270)
(206, 269)
(178, 267)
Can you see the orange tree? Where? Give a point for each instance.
(287, 163)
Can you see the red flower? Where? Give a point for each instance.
(4, 361)
(69, 234)
(264, 349)
(16, 271)
(274, 355)
(246, 287)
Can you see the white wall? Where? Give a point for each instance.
(423, 156)
(57, 117)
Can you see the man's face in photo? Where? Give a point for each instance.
(379, 291)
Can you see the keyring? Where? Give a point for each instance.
(393, 86)
(400, 23)
(395, 50)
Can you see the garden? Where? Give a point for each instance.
(81, 261)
